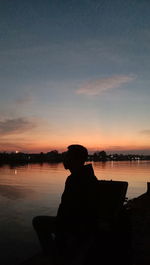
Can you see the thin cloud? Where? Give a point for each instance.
(114, 147)
(10, 146)
(25, 99)
(97, 87)
(15, 126)
(145, 132)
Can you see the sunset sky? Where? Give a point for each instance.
(75, 72)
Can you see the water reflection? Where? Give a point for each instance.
(48, 179)
(35, 189)
(16, 192)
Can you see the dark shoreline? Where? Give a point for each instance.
(56, 157)
(25, 163)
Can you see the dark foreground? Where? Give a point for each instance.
(141, 229)
(140, 217)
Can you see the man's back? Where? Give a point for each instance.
(78, 208)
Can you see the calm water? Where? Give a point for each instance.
(35, 189)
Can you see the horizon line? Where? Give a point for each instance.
(90, 151)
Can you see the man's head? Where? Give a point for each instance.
(75, 157)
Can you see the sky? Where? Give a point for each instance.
(75, 72)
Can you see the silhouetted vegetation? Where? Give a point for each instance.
(52, 156)
(102, 156)
(55, 157)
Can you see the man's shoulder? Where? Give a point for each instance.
(68, 179)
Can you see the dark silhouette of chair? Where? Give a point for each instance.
(111, 198)
(110, 239)
(112, 242)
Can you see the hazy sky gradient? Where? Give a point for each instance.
(75, 72)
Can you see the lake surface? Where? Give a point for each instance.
(35, 189)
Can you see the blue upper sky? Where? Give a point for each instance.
(74, 71)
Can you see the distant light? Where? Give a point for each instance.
(17, 152)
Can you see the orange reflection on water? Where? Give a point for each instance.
(136, 173)
(48, 180)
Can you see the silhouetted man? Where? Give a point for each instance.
(77, 213)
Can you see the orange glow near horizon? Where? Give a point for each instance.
(92, 139)
(90, 145)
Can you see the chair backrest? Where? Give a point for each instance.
(111, 197)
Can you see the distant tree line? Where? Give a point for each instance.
(55, 157)
(103, 156)
(19, 157)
